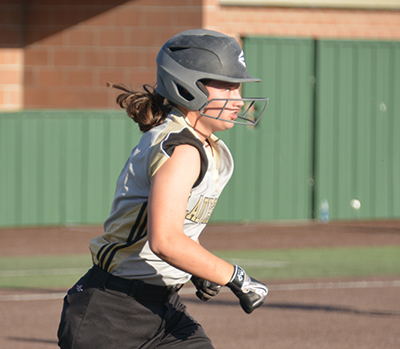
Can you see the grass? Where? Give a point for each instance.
(280, 264)
(314, 263)
(42, 271)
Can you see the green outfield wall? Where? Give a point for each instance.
(330, 132)
(274, 160)
(60, 167)
(358, 128)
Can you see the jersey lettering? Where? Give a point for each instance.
(201, 212)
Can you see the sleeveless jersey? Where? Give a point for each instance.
(123, 249)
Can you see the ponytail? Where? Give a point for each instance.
(147, 108)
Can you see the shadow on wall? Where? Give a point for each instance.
(24, 22)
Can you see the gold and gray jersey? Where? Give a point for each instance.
(123, 249)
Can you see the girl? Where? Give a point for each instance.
(164, 198)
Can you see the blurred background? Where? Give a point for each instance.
(326, 149)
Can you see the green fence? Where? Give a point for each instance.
(60, 167)
(331, 132)
(335, 140)
(274, 160)
(358, 128)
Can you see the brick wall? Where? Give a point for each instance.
(69, 60)
(302, 22)
(11, 82)
(11, 55)
(60, 54)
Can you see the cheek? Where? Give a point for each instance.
(220, 125)
(216, 105)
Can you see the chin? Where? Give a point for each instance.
(221, 125)
(229, 125)
(225, 127)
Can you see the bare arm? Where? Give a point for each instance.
(168, 198)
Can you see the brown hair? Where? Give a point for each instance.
(147, 108)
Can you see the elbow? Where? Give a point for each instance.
(166, 242)
(160, 248)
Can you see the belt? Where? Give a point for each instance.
(134, 288)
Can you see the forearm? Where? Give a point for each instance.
(197, 261)
(189, 256)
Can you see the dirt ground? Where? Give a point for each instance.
(297, 314)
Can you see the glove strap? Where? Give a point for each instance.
(238, 277)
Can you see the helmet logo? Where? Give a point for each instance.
(241, 59)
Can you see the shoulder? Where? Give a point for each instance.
(180, 137)
(170, 135)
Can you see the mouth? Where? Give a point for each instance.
(234, 115)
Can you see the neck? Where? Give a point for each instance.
(194, 118)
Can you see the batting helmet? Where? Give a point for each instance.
(195, 55)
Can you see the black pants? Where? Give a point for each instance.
(103, 311)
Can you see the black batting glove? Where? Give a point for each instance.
(250, 292)
(205, 289)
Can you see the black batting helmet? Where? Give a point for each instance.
(195, 55)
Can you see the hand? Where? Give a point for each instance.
(250, 292)
(205, 289)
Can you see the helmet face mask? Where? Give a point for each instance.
(193, 56)
(249, 114)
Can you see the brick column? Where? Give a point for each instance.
(11, 79)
